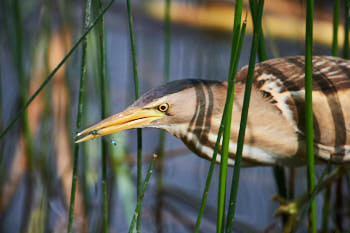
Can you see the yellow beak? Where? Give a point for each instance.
(128, 119)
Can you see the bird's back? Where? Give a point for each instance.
(281, 82)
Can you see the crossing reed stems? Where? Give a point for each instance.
(262, 51)
(142, 193)
(233, 64)
(262, 54)
(21, 112)
(244, 118)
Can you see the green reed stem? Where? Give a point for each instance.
(324, 180)
(244, 117)
(346, 29)
(308, 109)
(230, 91)
(137, 95)
(262, 54)
(336, 10)
(227, 119)
(51, 75)
(262, 51)
(137, 211)
(79, 114)
(103, 92)
(210, 173)
(326, 208)
(240, 45)
(327, 195)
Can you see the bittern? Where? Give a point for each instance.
(191, 109)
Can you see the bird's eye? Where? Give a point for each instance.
(163, 107)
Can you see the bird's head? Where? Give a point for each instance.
(170, 107)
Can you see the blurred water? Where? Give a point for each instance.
(194, 54)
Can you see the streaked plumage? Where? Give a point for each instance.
(275, 129)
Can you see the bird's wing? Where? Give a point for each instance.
(281, 81)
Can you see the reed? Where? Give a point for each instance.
(305, 201)
(83, 69)
(103, 97)
(137, 95)
(262, 51)
(327, 195)
(142, 194)
(278, 171)
(22, 110)
(244, 117)
(326, 208)
(210, 174)
(308, 111)
(227, 117)
(237, 41)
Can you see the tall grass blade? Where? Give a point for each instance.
(227, 118)
(262, 54)
(325, 180)
(230, 91)
(51, 75)
(210, 174)
(79, 114)
(308, 110)
(137, 95)
(103, 97)
(244, 117)
(326, 208)
(327, 195)
(142, 193)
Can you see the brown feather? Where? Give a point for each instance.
(281, 82)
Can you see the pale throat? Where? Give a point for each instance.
(178, 130)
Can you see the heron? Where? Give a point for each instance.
(191, 109)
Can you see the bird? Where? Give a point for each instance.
(191, 109)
